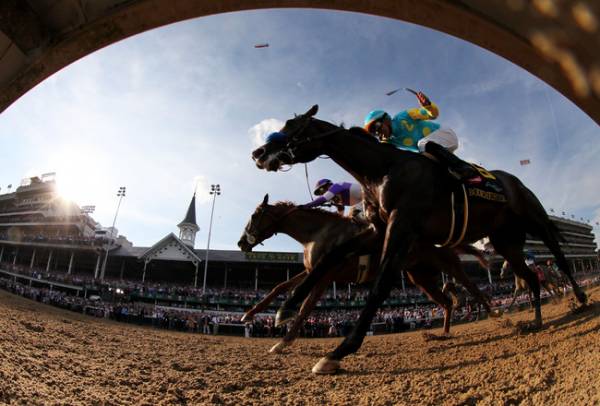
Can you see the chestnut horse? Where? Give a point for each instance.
(318, 231)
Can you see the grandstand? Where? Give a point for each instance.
(40, 230)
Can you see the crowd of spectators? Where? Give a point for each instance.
(69, 239)
(322, 323)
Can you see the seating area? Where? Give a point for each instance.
(218, 311)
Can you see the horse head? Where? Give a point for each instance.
(260, 227)
(300, 142)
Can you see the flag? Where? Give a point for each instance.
(265, 45)
(524, 161)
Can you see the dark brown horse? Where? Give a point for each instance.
(408, 203)
(319, 231)
(550, 282)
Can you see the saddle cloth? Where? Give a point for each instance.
(489, 188)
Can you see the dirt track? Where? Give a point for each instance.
(49, 356)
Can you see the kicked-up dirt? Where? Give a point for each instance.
(51, 356)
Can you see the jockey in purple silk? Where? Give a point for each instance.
(339, 194)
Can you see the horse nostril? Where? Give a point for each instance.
(274, 164)
(257, 153)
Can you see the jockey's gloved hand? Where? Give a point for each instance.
(423, 100)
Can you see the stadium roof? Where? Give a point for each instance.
(554, 40)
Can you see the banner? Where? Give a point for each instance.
(273, 256)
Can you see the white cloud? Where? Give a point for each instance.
(259, 131)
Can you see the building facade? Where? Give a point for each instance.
(39, 230)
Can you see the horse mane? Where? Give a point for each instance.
(361, 132)
(288, 205)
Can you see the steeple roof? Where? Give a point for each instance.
(190, 216)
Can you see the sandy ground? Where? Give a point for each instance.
(50, 356)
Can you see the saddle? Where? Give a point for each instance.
(488, 187)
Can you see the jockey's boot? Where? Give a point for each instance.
(458, 168)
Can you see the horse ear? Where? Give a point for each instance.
(313, 110)
(265, 200)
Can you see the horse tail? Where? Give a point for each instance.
(538, 224)
(468, 249)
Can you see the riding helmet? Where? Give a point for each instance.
(276, 136)
(322, 186)
(373, 116)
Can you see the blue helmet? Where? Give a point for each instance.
(322, 186)
(276, 136)
(374, 116)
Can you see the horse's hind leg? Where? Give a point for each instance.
(429, 286)
(514, 298)
(513, 252)
(540, 225)
(455, 269)
(282, 287)
(450, 288)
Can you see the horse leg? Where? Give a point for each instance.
(307, 307)
(540, 225)
(529, 294)
(395, 248)
(429, 286)
(514, 298)
(455, 270)
(282, 287)
(355, 245)
(450, 287)
(510, 245)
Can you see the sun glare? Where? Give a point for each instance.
(79, 181)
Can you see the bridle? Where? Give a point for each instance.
(252, 236)
(294, 142)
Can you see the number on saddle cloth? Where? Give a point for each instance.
(489, 189)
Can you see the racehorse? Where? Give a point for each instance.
(548, 282)
(319, 231)
(408, 201)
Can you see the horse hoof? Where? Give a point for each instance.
(496, 313)
(247, 318)
(284, 316)
(278, 348)
(326, 366)
(529, 327)
(582, 297)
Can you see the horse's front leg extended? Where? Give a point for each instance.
(359, 244)
(395, 249)
(264, 303)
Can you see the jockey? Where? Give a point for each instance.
(413, 130)
(340, 194)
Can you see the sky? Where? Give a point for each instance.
(183, 106)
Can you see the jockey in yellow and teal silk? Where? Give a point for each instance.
(414, 130)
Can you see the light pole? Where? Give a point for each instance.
(215, 190)
(121, 195)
